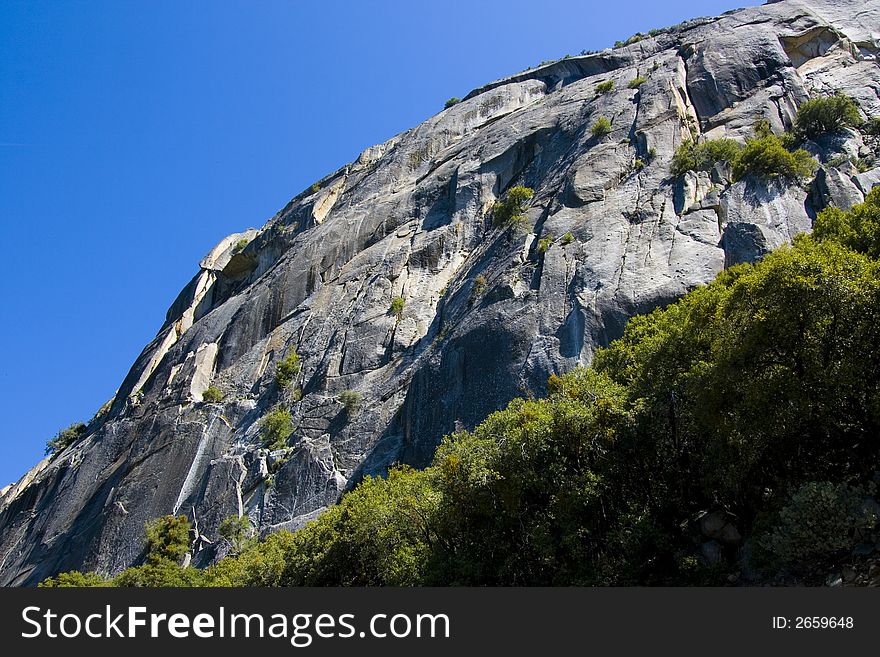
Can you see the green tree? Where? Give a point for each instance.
(857, 228)
(351, 400)
(237, 531)
(75, 579)
(817, 521)
(66, 437)
(168, 539)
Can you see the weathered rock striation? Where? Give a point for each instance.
(487, 315)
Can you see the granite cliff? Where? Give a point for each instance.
(483, 313)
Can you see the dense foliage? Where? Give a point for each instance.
(771, 156)
(767, 157)
(758, 394)
(691, 156)
(819, 116)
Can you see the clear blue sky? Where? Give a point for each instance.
(136, 135)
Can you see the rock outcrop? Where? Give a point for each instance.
(488, 314)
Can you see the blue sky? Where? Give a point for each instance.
(135, 135)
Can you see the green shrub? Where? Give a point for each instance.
(819, 520)
(75, 579)
(639, 164)
(240, 245)
(766, 157)
(315, 188)
(351, 400)
(66, 437)
(237, 531)
(604, 87)
(212, 395)
(555, 385)
(567, 239)
(159, 575)
(857, 228)
(862, 164)
(872, 126)
(479, 285)
(396, 308)
(544, 244)
(819, 116)
(452, 101)
(509, 211)
(637, 82)
(691, 156)
(168, 539)
(601, 127)
(277, 428)
(635, 38)
(287, 369)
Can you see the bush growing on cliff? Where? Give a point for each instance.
(66, 437)
(396, 308)
(604, 87)
(600, 127)
(167, 539)
(509, 211)
(287, 369)
(819, 116)
(277, 428)
(237, 531)
(691, 156)
(351, 400)
(767, 157)
(212, 395)
(637, 82)
(452, 101)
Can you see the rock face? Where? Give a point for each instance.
(487, 314)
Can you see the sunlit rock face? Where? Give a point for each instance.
(487, 314)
